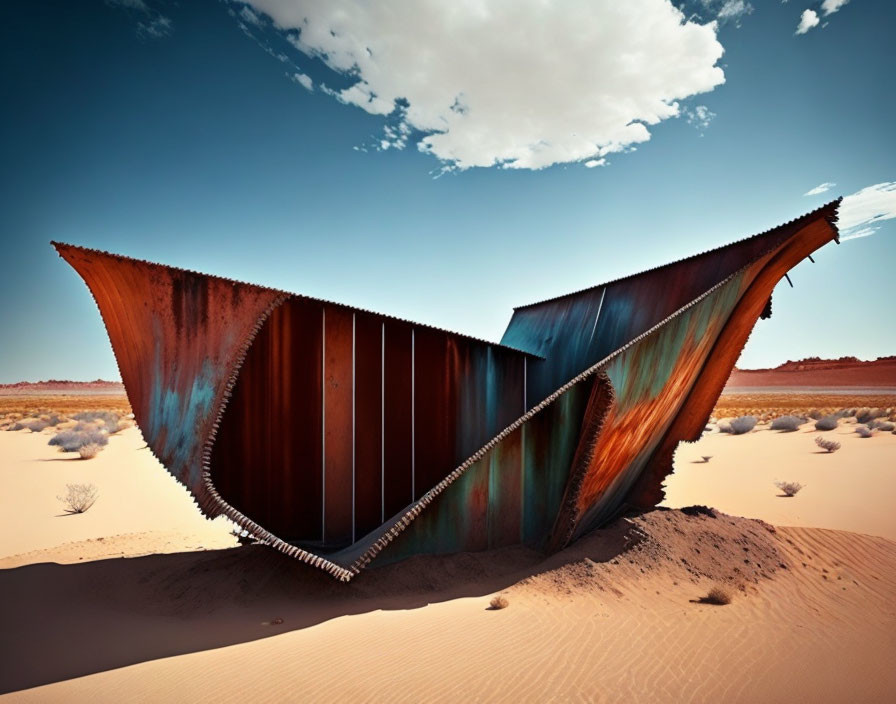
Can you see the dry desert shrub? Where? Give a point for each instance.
(706, 458)
(78, 497)
(826, 423)
(829, 445)
(498, 602)
(743, 424)
(79, 436)
(864, 415)
(789, 488)
(719, 595)
(788, 424)
(884, 425)
(89, 451)
(863, 431)
(106, 419)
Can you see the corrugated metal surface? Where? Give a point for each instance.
(374, 412)
(178, 337)
(348, 432)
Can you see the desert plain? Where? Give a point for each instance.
(140, 598)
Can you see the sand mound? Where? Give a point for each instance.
(692, 545)
(614, 618)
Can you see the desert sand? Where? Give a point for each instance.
(95, 609)
(852, 489)
(136, 497)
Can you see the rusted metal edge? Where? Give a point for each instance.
(581, 463)
(430, 495)
(222, 507)
(302, 296)
(402, 523)
(833, 205)
(209, 501)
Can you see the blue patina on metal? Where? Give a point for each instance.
(339, 436)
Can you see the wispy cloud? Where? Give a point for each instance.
(829, 7)
(130, 4)
(153, 24)
(700, 117)
(870, 205)
(249, 17)
(525, 101)
(304, 80)
(820, 188)
(725, 11)
(734, 9)
(157, 27)
(861, 232)
(862, 210)
(808, 20)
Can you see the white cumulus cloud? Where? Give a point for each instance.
(512, 83)
(820, 188)
(808, 20)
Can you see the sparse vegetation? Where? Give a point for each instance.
(89, 451)
(719, 595)
(787, 424)
(883, 425)
(829, 445)
(789, 488)
(104, 419)
(827, 423)
(82, 434)
(707, 458)
(78, 497)
(865, 415)
(863, 431)
(498, 602)
(742, 424)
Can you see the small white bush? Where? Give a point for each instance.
(89, 451)
(863, 431)
(78, 497)
(829, 445)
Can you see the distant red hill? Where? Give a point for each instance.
(813, 371)
(60, 386)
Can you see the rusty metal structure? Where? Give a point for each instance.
(339, 436)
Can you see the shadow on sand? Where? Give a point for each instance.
(64, 621)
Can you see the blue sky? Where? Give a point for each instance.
(217, 137)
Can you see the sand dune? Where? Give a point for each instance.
(616, 617)
(812, 620)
